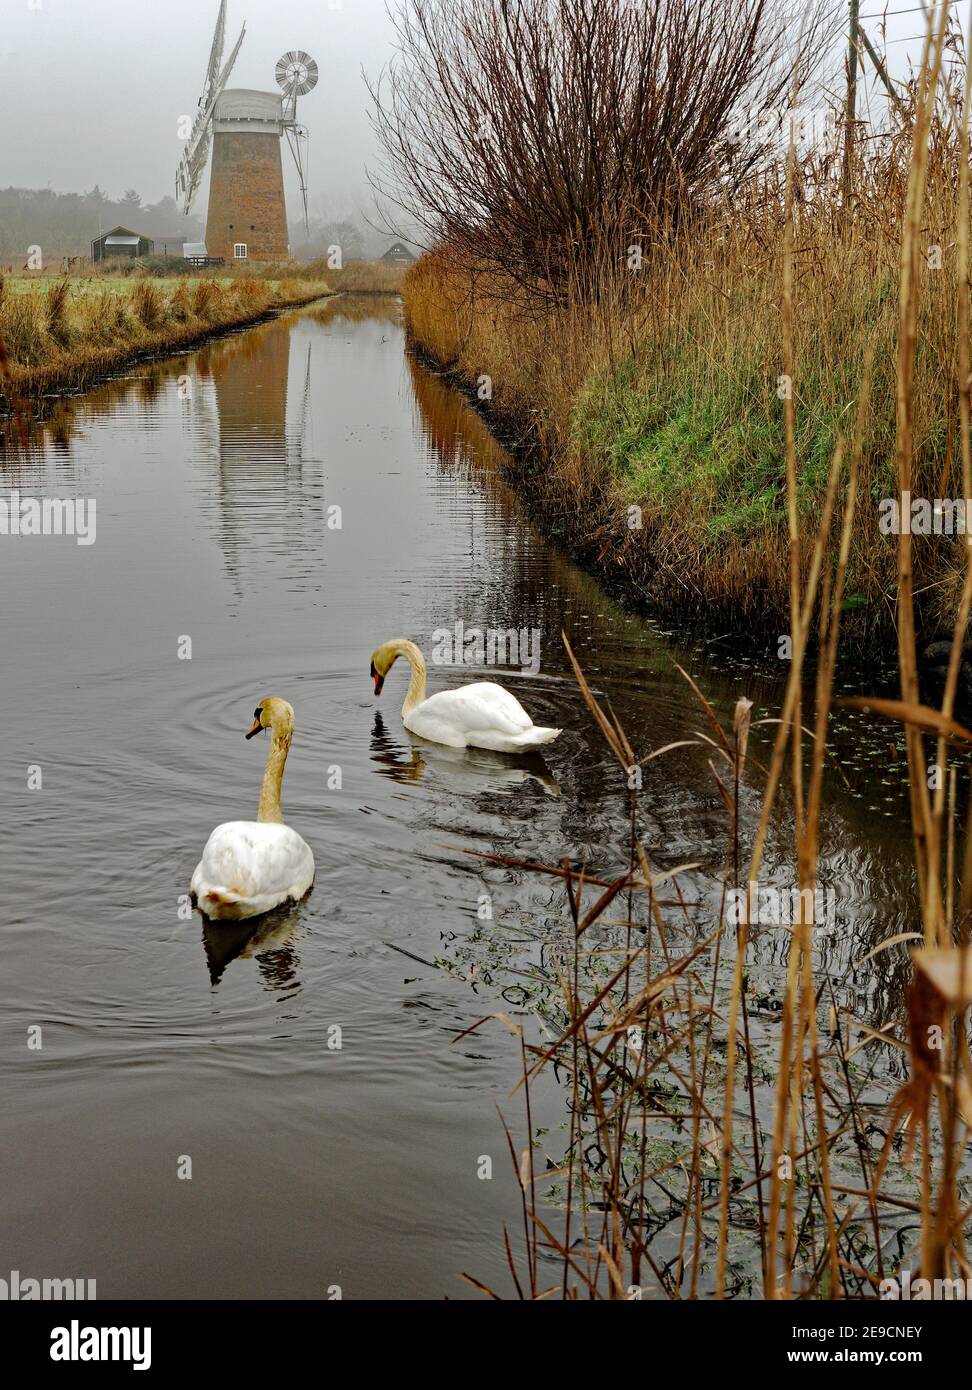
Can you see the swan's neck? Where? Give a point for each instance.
(415, 693)
(272, 779)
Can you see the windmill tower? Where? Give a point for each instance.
(247, 217)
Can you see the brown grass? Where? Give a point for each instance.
(62, 335)
(364, 277)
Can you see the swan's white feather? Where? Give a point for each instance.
(249, 867)
(481, 715)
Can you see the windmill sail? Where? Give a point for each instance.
(193, 162)
(215, 55)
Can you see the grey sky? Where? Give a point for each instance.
(91, 90)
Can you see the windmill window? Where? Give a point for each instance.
(239, 251)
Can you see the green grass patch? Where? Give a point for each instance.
(676, 435)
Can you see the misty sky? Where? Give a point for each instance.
(94, 89)
(91, 90)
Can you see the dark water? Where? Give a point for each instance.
(313, 1165)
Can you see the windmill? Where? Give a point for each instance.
(247, 217)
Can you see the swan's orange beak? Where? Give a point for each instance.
(257, 726)
(379, 679)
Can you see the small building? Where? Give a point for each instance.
(398, 254)
(194, 254)
(121, 241)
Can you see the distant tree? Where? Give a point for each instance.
(65, 224)
(167, 217)
(324, 234)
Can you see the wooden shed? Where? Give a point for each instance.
(121, 241)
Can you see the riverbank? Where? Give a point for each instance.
(649, 430)
(65, 334)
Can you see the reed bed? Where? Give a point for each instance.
(787, 1181)
(351, 277)
(361, 277)
(64, 334)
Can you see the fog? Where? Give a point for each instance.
(91, 91)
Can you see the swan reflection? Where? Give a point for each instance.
(268, 940)
(469, 769)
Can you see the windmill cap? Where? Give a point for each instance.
(241, 104)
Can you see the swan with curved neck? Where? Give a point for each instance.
(251, 867)
(480, 715)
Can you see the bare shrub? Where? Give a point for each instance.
(525, 133)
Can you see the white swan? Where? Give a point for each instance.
(249, 867)
(481, 715)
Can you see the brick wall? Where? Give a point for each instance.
(246, 197)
